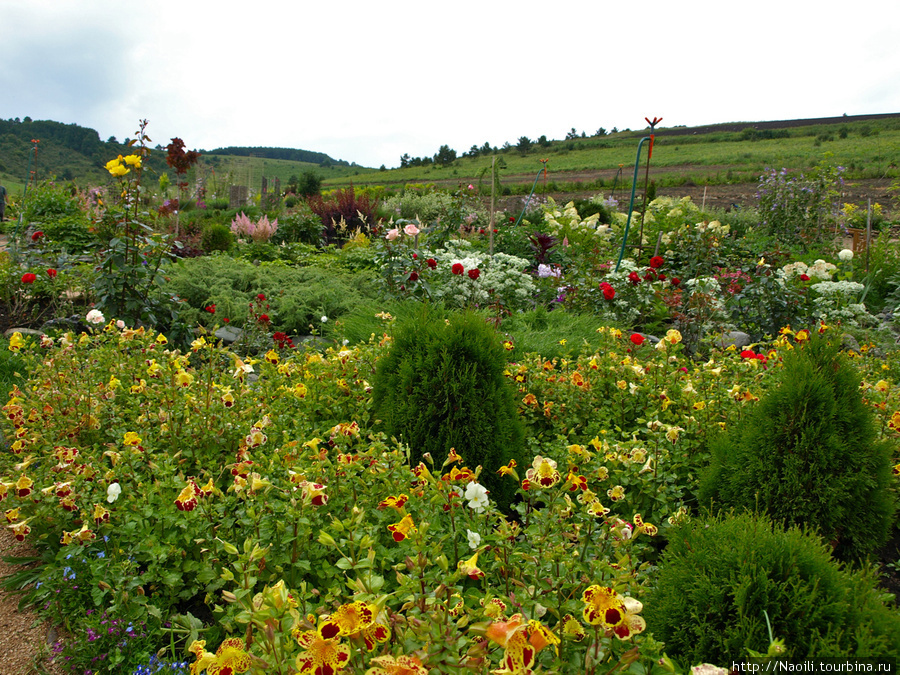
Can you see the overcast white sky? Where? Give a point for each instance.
(369, 81)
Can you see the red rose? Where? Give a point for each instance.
(634, 278)
(675, 281)
(457, 268)
(656, 262)
(661, 277)
(263, 318)
(474, 273)
(37, 235)
(649, 276)
(52, 273)
(431, 262)
(637, 339)
(413, 276)
(609, 292)
(260, 297)
(226, 319)
(29, 278)
(804, 277)
(748, 354)
(211, 309)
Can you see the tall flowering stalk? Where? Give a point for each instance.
(130, 271)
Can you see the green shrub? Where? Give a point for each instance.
(809, 455)
(442, 386)
(69, 232)
(719, 579)
(216, 237)
(49, 200)
(302, 225)
(298, 297)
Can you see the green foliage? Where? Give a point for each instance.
(300, 225)
(308, 184)
(216, 237)
(720, 580)
(131, 272)
(796, 207)
(809, 456)
(298, 296)
(70, 233)
(442, 386)
(12, 369)
(46, 201)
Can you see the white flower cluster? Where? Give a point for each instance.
(818, 270)
(835, 301)
(501, 277)
(713, 227)
(568, 220)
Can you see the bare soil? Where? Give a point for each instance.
(25, 640)
(740, 195)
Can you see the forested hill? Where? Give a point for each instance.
(292, 154)
(72, 136)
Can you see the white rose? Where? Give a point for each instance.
(95, 316)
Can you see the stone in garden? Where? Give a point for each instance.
(228, 334)
(849, 343)
(74, 323)
(24, 332)
(736, 338)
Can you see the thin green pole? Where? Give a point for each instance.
(528, 201)
(637, 164)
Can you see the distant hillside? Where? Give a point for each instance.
(66, 151)
(777, 124)
(290, 154)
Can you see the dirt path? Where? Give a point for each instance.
(24, 639)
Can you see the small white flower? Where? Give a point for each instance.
(113, 492)
(95, 316)
(324, 319)
(477, 495)
(474, 539)
(846, 255)
(120, 324)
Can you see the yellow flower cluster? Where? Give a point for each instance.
(119, 166)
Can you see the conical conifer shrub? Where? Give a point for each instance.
(442, 386)
(809, 455)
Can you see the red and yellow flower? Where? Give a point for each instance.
(403, 529)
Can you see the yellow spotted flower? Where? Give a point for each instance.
(16, 342)
(403, 529)
(322, 650)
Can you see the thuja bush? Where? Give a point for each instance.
(442, 386)
(810, 454)
(720, 581)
